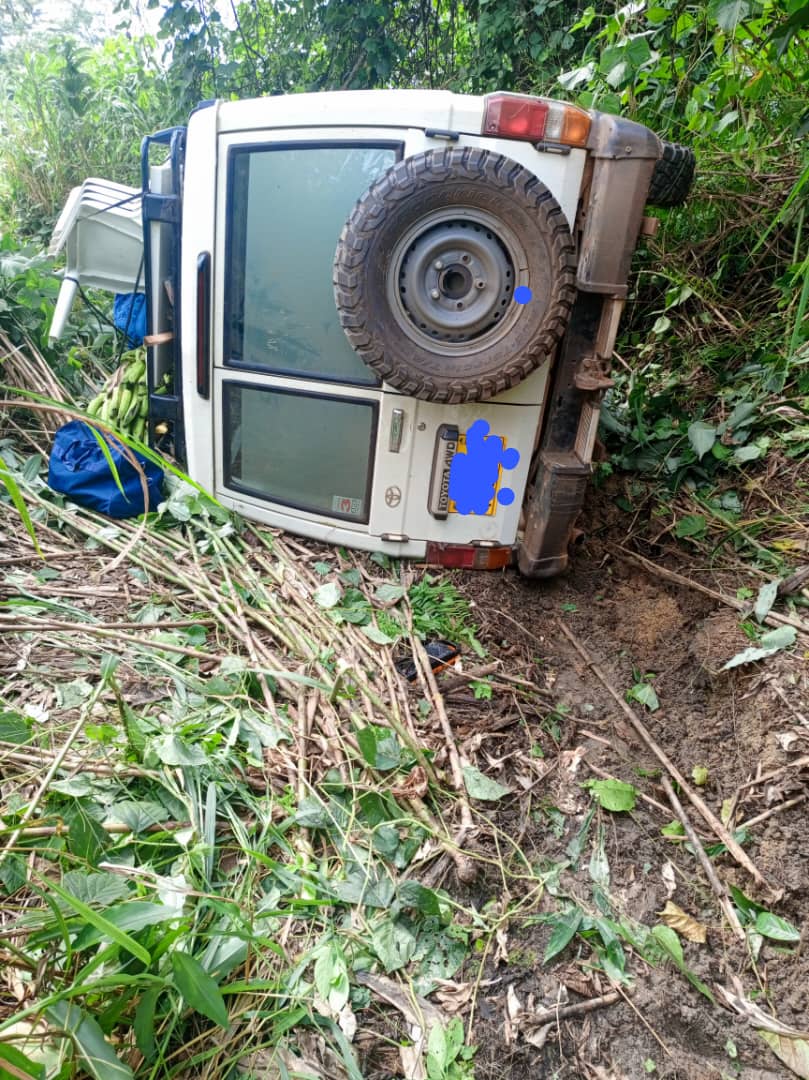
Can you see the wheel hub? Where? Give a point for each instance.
(455, 279)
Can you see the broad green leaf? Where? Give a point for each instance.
(414, 895)
(437, 1051)
(565, 927)
(691, 525)
(394, 943)
(331, 975)
(793, 1052)
(613, 795)
(702, 436)
(773, 926)
(379, 747)
(107, 929)
(86, 837)
(101, 889)
(670, 944)
(172, 750)
(769, 644)
(750, 452)
(388, 594)
(312, 814)
(766, 598)
(138, 816)
(373, 633)
(15, 728)
(328, 595)
(198, 989)
(644, 693)
(481, 786)
(98, 1057)
(746, 906)
(729, 13)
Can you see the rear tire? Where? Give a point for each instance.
(673, 175)
(427, 267)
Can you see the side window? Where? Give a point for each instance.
(286, 208)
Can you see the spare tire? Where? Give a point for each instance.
(427, 266)
(673, 175)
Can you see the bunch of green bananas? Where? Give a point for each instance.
(124, 402)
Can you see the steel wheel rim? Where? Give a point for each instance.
(452, 280)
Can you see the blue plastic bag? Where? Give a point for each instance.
(79, 470)
(129, 316)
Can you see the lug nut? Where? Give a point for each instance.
(438, 265)
(435, 294)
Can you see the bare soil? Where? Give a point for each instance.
(738, 725)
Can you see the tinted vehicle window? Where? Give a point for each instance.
(287, 207)
(308, 451)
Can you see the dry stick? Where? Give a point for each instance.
(643, 1019)
(579, 1008)
(719, 889)
(773, 618)
(773, 810)
(716, 825)
(466, 869)
(10, 627)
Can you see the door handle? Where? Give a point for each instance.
(204, 324)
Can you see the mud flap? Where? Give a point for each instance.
(551, 511)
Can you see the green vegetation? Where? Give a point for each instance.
(222, 834)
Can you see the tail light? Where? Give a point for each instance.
(533, 119)
(468, 556)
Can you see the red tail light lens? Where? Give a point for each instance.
(468, 556)
(532, 119)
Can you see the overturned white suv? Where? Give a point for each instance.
(385, 318)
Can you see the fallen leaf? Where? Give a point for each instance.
(481, 786)
(613, 794)
(669, 880)
(769, 644)
(453, 996)
(793, 1052)
(684, 924)
(414, 785)
(501, 953)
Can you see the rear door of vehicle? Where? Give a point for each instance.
(304, 436)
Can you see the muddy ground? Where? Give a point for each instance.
(737, 725)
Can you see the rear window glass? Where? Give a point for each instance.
(287, 207)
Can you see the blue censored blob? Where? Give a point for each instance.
(522, 294)
(473, 474)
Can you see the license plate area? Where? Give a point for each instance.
(450, 441)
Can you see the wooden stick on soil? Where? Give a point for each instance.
(578, 1008)
(465, 867)
(733, 846)
(719, 889)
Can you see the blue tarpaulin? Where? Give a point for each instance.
(129, 316)
(79, 469)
